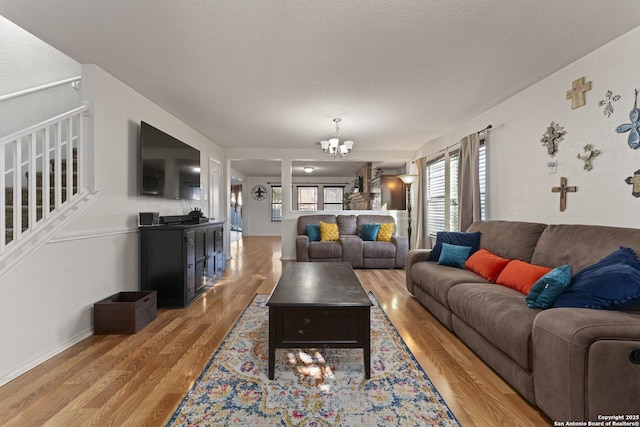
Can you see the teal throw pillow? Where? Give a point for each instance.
(313, 231)
(454, 255)
(455, 238)
(547, 288)
(369, 232)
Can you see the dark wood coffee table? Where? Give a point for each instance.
(319, 305)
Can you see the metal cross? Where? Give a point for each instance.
(563, 190)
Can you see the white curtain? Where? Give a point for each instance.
(468, 182)
(422, 230)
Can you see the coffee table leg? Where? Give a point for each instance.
(367, 344)
(272, 342)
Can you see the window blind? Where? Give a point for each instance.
(453, 191)
(482, 175)
(435, 175)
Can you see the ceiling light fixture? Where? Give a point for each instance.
(333, 147)
(308, 169)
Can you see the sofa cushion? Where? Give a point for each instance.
(582, 245)
(323, 250)
(486, 264)
(386, 231)
(499, 314)
(437, 280)
(378, 250)
(622, 255)
(454, 238)
(328, 232)
(370, 232)
(303, 220)
(373, 219)
(313, 231)
(454, 255)
(521, 276)
(346, 224)
(510, 239)
(547, 288)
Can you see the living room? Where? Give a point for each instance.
(48, 295)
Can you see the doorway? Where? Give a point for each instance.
(236, 212)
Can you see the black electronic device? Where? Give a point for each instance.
(176, 219)
(169, 168)
(149, 218)
(196, 212)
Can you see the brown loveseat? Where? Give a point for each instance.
(350, 247)
(575, 364)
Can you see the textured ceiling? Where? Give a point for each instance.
(273, 74)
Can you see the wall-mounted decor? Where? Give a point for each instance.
(587, 155)
(634, 127)
(607, 103)
(259, 192)
(576, 93)
(563, 189)
(635, 181)
(552, 137)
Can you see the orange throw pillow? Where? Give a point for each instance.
(486, 264)
(521, 276)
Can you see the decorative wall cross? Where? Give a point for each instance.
(635, 181)
(563, 190)
(576, 94)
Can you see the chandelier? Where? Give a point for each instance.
(333, 146)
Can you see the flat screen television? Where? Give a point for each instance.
(170, 168)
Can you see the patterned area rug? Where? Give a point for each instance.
(323, 387)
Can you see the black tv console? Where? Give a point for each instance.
(178, 260)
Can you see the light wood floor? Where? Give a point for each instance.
(139, 380)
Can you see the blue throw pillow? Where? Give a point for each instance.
(369, 232)
(455, 238)
(547, 288)
(313, 231)
(454, 255)
(611, 287)
(591, 277)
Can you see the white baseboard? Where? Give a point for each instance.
(6, 377)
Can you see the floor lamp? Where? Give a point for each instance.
(409, 179)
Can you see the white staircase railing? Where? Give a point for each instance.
(40, 173)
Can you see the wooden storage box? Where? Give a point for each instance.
(124, 312)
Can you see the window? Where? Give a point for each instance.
(453, 191)
(482, 172)
(333, 198)
(436, 195)
(276, 203)
(442, 191)
(307, 198)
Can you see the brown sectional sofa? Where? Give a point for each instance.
(575, 364)
(350, 247)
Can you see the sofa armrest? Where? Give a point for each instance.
(302, 248)
(402, 247)
(414, 256)
(582, 363)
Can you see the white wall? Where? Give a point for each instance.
(257, 214)
(519, 187)
(46, 301)
(26, 62)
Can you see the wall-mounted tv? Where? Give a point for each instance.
(169, 167)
